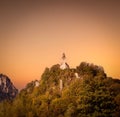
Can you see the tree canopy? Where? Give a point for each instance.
(93, 94)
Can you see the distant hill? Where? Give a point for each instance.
(7, 89)
(84, 91)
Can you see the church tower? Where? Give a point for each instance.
(63, 64)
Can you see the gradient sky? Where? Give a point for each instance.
(34, 36)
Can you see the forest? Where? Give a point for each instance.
(91, 94)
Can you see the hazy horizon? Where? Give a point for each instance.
(33, 36)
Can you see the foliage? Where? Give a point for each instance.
(92, 95)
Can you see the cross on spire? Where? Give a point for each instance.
(63, 56)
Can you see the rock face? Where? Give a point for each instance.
(7, 89)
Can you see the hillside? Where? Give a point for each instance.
(84, 91)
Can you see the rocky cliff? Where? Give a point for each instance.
(7, 89)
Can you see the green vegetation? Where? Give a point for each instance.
(93, 94)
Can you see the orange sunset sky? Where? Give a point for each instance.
(34, 35)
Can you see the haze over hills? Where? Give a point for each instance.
(84, 91)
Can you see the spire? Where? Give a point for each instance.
(63, 56)
(64, 65)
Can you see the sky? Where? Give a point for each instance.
(33, 36)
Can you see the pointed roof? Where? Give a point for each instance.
(64, 65)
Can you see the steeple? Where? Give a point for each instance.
(63, 56)
(64, 65)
